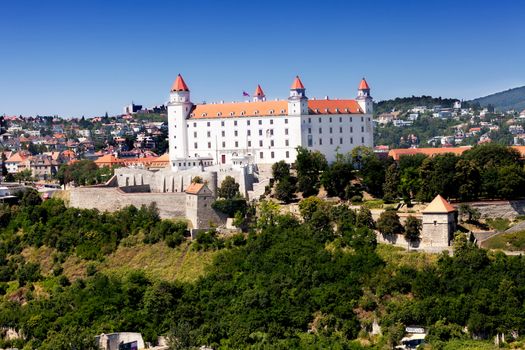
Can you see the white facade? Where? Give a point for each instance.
(263, 131)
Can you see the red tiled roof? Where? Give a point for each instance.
(194, 188)
(297, 83)
(439, 205)
(179, 84)
(363, 85)
(259, 91)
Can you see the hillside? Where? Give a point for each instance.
(504, 100)
(405, 103)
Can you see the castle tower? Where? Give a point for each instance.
(297, 102)
(179, 108)
(439, 223)
(259, 96)
(363, 97)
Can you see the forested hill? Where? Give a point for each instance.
(405, 103)
(504, 100)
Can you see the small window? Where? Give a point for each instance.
(234, 122)
(286, 131)
(287, 154)
(209, 144)
(222, 123)
(341, 141)
(319, 119)
(223, 144)
(310, 141)
(346, 110)
(256, 112)
(351, 129)
(271, 121)
(208, 134)
(341, 129)
(309, 130)
(330, 119)
(331, 141)
(260, 143)
(223, 133)
(309, 120)
(330, 130)
(194, 134)
(283, 111)
(286, 121)
(236, 144)
(249, 133)
(260, 132)
(208, 124)
(340, 120)
(271, 112)
(243, 113)
(362, 119)
(219, 114)
(231, 115)
(235, 132)
(260, 121)
(286, 142)
(320, 142)
(247, 122)
(271, 143)
(249, 144)
(362, 129)
(261, 155)
(195, 145)
(320, 130)
(272, 155)
(362, 140)
(194, 125)
(352, 140)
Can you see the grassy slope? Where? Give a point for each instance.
(158, 261)
(514, 241)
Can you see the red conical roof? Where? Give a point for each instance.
(364, 85)
(297, 84)
(179, 84)
(259, 91)
(439, 205)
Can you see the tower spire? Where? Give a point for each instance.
(259, 94)
(179, 84)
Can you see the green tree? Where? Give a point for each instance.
(229, 188)
(468, 179)
(413, 227)
(389, 224)
(24, 175)
(285, 190)
(391, 185)
(364, 218)
(309, 166)
(280, 170)
(338, 176)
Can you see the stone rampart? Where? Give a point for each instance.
(499, 209)
(111, 199)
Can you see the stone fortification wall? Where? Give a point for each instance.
(111, 199)
(499, 209)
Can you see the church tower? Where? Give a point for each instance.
(179, 108)
(259, 96)
(297, 102)
(364, 99)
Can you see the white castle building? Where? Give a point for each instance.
(262, 131)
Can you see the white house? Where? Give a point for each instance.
(263, 131)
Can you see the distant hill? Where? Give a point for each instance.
(405, 103)
(504, 100)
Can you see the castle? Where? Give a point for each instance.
(263, 131)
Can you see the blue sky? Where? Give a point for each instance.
(86, 57)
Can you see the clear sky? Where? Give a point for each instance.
(86, 57)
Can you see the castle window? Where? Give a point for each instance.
(247, 122)
(195, 145)
(208, 134)
(249, 133)
(320, 130)
(204, 114)
(352, 140)
(320, 142)
(330, 130)
(208, 124)
(330, 119)
(346, 110)
(243, 113)
(256, 112)
(271, 143)
(234, 122)
(271, 121)
(287, 154)
(309, 130)
(194, 134)
(286, 131)
(219, 114)
(362, 140)
(249, 144)
(272, 155)
(260, 121)
(341, 129)
(209, 144)
(286, 143)
(260, 132)
(435, 222)
(310, 141)
(351, 129)
(194, 125)
(362, 119)
(232, 114)
(283, 111)
(319, 119)
(309, 120)
(223, 133)
(236, 144)
(286, 121)
(362, 129)
(271, 111)
(331, 141)
(261, 155)
(235, 132)
(223, 144)
(260, 143)
(222, 123)
(341, 141)
(340, 120)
